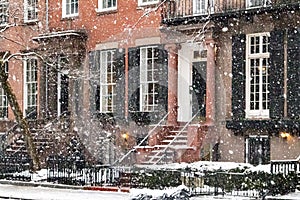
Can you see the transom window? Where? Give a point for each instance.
(203, 6)
(30, 89)
(107, 81)
(148, 78)
(70, 8)
(30, 10)
(258, 3)
(4, 12)
(3, 99)
(107, 5)
(147, 2)
(257, 76)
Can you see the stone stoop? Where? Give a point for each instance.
(172, 144)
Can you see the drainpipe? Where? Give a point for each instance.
(47, 15)
(285, 74)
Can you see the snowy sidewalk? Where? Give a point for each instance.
(44, 191)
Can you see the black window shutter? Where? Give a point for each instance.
(133, 79)
(94, 80)
(293, 72)
(120, 83)
(163, 79)
(238, 76)
(276, 74)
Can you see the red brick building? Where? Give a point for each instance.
(164, 81)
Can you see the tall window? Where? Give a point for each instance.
(30, 90)
(203, 6)
(148, 78)
(30, 10)
(3, 11)
(107, 81)
(257, 76)
(107, 5)
(70, 8)
(3, 99)
(257, 150)
(147, 2)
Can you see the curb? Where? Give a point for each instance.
(62, 186)
(107, 189)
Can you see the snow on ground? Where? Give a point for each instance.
(202, 166)
(47, 193)
(44, 193)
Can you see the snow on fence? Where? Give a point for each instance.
(15, 168)
(77, 171)
(285, 166)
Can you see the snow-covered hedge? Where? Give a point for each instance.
(225, 176)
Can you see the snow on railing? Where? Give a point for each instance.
(174, 139)
(143, 140)
(285, 166)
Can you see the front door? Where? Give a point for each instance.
(62, 93)
(62, 85)
(198, 89)
(191, 82)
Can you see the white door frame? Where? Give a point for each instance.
(185, 79)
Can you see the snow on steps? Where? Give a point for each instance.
(173, 144)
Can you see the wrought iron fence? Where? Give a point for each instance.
(76, 171)
(15, 167)
(285, 167)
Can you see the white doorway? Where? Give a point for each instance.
(191, 81)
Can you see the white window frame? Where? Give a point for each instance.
(101, 8)
(30, 8)
(260, 112)
(3, 98)
(4, 9)
(263, 3)
(28, 100)
(147, 96)
(107, 81)
(147, 2)
(65, 14)
(201, 7)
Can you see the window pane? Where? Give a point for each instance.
(258, 74)
(4, 11)
(107, 80)
(31, 88)
(148, 78)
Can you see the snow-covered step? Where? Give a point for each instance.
(160, 156)
(176, 141)
(182, 147)
(179, 131)
(177, 136)
(157, 151)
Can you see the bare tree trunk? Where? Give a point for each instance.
(31, 149)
